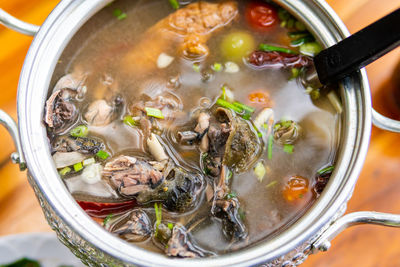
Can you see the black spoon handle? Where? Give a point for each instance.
(358, 50)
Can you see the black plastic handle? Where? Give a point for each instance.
(358, 50)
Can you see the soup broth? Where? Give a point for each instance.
(205, 133)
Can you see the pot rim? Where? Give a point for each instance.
(55, 33)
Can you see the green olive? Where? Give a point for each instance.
(237, 45)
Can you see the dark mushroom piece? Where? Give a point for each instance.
(274, 59)
(135, 226)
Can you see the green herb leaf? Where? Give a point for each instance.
(158, 211)
(231, 195)
(326, 170)
(80, 131)
(271, 48)
(102, 155)
(270, 146)
(107, 219)
(288, 148)
(154, 112)
(78, 166)
(174, 4)
(65, 171)
(119, 14)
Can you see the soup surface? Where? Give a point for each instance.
(183, 126)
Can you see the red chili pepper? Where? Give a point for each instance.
(96, 209)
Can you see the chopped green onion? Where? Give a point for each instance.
(260, 171)
(297, 35)
(260, 134)
(158, 211)
(128, 120)
(102, 155)
(226, 104)
(170, 226)
(283, 14)
(270, 145)
(80, 131)
(78, 166)
(231, 195)
(288, 148)
(295, 73)
(88, 161)
(302, 40)
(246, 116)
(271, 48)
(196, 67)
(327, 169)
(310, 49)
(65, 171)
(217, 67)
(265, 126)
(107, 219)
(290, 23)
(154, 112)
(244, 107)
(119, 14)
(315, 94)
(174, 4)
(271, 184)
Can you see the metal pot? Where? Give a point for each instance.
(94, 246)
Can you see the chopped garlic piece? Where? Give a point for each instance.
(231, 67)
(164, 60)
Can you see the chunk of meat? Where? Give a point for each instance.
(181, 244)
(99, 113)
(134, 226)
(61, 111)
(131, 176)
(86, 145)
(188, 28)
(263, 60)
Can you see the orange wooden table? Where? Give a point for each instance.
(377, 188)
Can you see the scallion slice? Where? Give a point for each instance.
(327, 169)
(174, 3)
(154, 112)
(226, 104)
(102, 155)
(271, 48)
(128, 120)
(170, 226)
(217, 67)
(78, 166)
(270, 146)
(244, 107)
(310, 49)
(65, 171)
(80, 131)
(119, 14)
(271, 184)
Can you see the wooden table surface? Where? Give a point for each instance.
(377, 189)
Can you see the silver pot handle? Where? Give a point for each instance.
(385, 123)
(355, 218)
(9, 123)
(17, 25)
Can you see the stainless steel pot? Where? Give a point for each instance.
(94, 246)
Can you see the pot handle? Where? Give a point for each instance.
(385, 123)
(9, 123)
(355, 218)
(17, 25)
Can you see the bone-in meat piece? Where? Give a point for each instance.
(188, 28)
